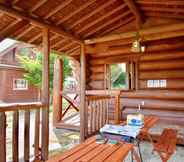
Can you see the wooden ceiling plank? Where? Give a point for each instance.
(74, 52)
(98, 9)
(25, 32)
(58, 8)
(54, 37)
(136, 12)
(38, 5)
(90, 24)
(58, 43)
(84, 6)
(107, 23)
(143, 32)
(73, 49)
(66, 46)
(35, 38)
(12, 28)
(122, 23)
(9, 26)
(14, 1)
(38, 22)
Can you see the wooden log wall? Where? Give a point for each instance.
(163, 59)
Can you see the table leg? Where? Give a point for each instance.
(139, 149)
(132, 158)
(136, 155)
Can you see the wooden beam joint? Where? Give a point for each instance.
(134, 9)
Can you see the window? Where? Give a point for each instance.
(118, 76)
(122, 75)
(20, 84)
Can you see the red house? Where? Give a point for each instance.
(13, 86)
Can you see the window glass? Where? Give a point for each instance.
(118, 76)
(20, 84)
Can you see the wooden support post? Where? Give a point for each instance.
(37, 136)
(2, 137)
(57, 88)
(82, 93)
(117, 109)
(27, 135)
(15, 136)
(45, 96)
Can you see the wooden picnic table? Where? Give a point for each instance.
(90, 151)
(149, 122)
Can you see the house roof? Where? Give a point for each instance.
(72, 21)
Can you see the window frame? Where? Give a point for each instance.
(20, 88)
(131, 75)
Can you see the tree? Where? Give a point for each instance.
(33, 68)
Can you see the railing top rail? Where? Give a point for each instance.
(97, 97)
(94, 92)
(21, 106)
(103, 92)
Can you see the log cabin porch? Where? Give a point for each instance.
(147, 37)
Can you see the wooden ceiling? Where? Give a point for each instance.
(72, 21)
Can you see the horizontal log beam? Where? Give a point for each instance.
(163, 15)
(37, 22)
(143, 32)
(176, 84)
(162, 65)
(158, 56)
(102, 50)
(158, 2)
(154, 104)
(164, 74)
(163, 9)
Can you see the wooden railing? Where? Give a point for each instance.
(97, 106)
(27, 109)
(97, 109)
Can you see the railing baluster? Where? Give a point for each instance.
(86, 118)
(26, 135)
(15, 143)
(97, 115)
(2, 137)
(37, 137)
(101, 112)
(94, 115)
(90, 117)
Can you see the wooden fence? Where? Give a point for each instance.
(26, 109)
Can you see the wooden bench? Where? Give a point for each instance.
(166, 144)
